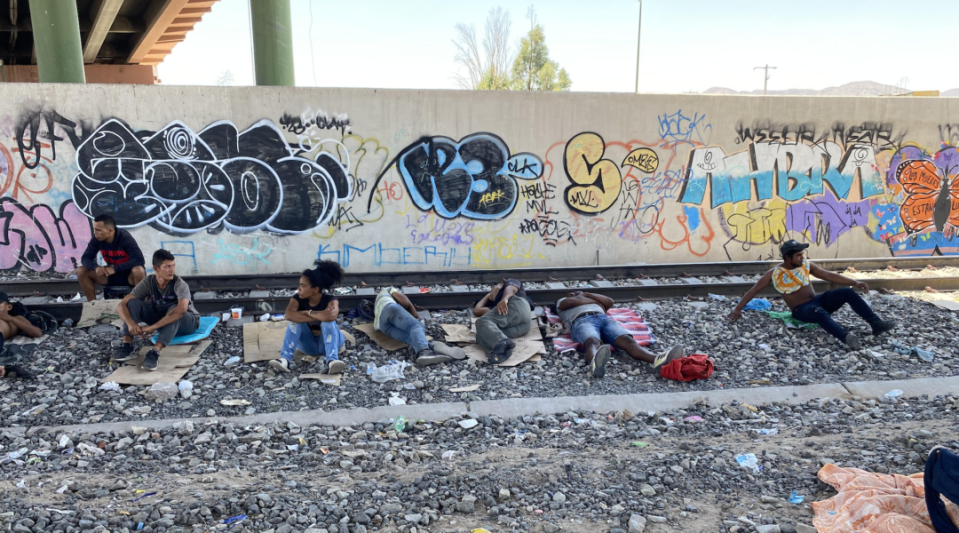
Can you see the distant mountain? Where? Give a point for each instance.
(856, 88)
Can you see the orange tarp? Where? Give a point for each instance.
(874, 503)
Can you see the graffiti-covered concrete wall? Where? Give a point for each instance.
(260, 180)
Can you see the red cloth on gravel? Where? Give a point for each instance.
(695, 366)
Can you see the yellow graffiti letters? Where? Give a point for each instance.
(596, 182)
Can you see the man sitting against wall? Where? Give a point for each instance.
(119, 251)
(161, 301)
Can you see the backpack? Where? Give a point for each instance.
(941, 477)
(41, 319)
(689, 368)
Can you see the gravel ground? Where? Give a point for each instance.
(577, 472)
(755, 351)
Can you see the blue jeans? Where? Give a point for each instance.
(819, 310)
(600, 327)
(397, 323)
(300, 337)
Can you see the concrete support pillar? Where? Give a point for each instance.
(272, 42)
(56, 36)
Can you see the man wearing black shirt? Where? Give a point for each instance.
(504, 314)
(125, 264)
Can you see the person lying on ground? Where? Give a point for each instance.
(163, 302)
(396, 317)
(584, 314)
(12, 325)
(504, 314)
(125, 263)
(791, 279)
(312, 314)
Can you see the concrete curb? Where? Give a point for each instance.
(514, 407)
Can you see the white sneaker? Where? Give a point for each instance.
(280, 365)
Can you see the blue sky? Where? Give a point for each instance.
(687, 45)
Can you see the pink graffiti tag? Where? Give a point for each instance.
(39, 239)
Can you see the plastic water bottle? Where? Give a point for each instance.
(400, 424)
(233, 361)
(386, 373)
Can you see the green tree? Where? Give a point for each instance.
(533, 70)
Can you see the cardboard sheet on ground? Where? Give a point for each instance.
(262, 341)
(468, 388)
(529, 347)
(457, 333)
(381, 339)
(97, 311)
(326, 379)
(946, 304)
(23, 340)
(175, 362)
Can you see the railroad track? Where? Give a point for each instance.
(646, 288)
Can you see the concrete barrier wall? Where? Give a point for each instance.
(261, 180)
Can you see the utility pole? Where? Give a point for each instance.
(766, 75)
(639, 31)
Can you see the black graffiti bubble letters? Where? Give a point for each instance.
(486, 157)
(182, 182)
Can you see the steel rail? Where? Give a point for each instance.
(462, 300)
(247, 282)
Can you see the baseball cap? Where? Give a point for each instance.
(792, 246)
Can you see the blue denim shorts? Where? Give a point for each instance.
(601, 327)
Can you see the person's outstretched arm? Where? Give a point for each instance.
(838, 279)
(763, 282)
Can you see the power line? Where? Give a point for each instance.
(766, 75)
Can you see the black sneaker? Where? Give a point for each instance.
(151, 360)
(428, 357)
(333, 367)
(598, 366)
(20, 371)
(124, 353)
(501, 352)
(881, 326)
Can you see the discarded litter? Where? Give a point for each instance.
(448, 455)
(925, 355)
(185, 385)
(13, 456)
(386, 373)
(233, 361)
(147, 495)
(229, 403)
(396, 400)
(235, 519)
(400, 424)
(479, 530)
(894, 393)
(639, 444)
(22, 483)
(749, 461)
(264, 317)
(718, 297)
(111, 386)
(877, 355)
(469, 423)
(900, 348)
(764, 431)
(758, 304)
(694, 418)
(795, 497)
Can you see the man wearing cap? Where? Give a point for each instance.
(11, 325)
(791, 279)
